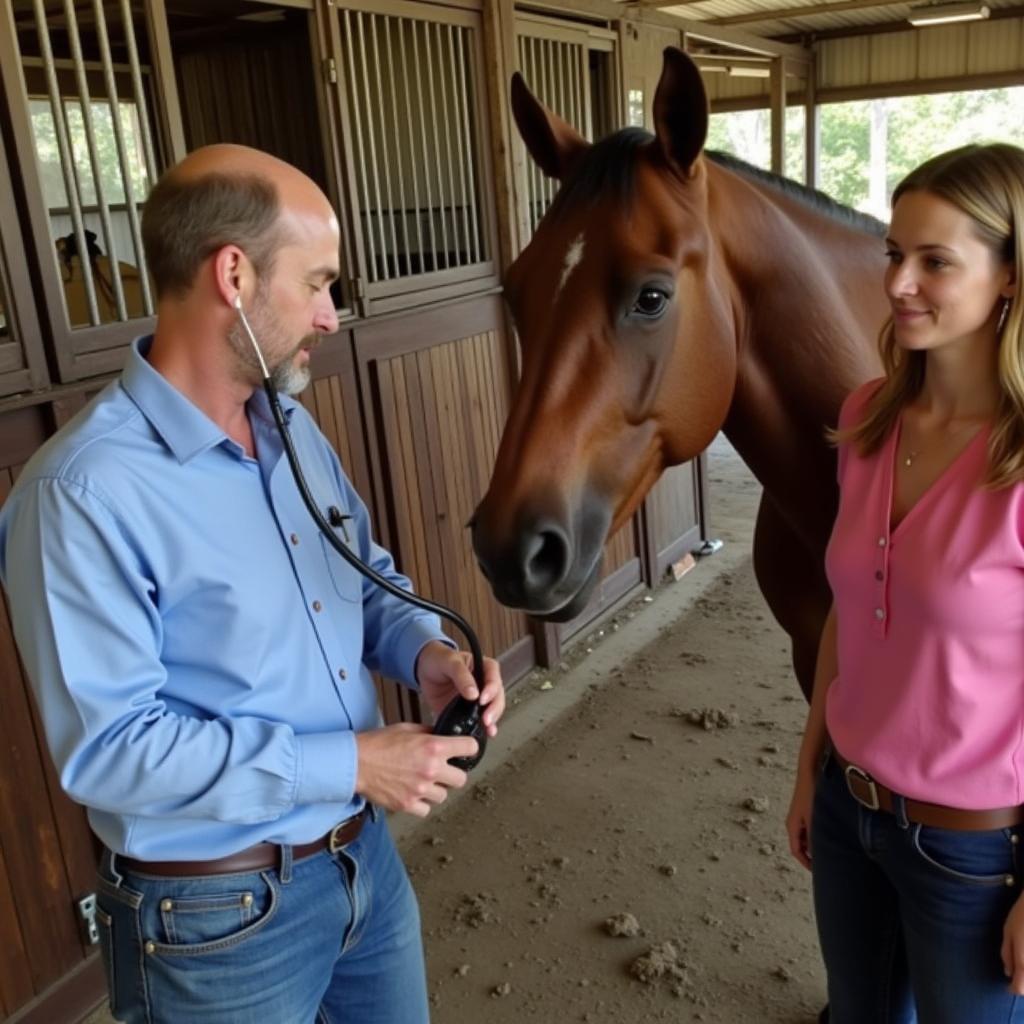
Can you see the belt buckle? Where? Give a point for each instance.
(858, 775)
(334, 843)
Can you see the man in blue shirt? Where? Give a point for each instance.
(200, 655)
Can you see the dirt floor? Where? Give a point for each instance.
(619, 856)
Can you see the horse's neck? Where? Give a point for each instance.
(808, 299)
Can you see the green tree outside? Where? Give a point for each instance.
(918, 127)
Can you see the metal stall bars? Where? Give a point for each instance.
(86, 115)
(555, 60)
(411, 79)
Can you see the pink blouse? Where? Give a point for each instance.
(929, 696)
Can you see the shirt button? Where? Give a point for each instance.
(879, 614)
(317, 606)
(881, 542)
(294, 538)
(342, 674)
(879, 575)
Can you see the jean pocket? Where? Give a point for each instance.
(348, 583)
(197, 916)
(975, 858)
(194, 919)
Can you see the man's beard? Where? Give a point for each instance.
(285, 375)
(290, 379)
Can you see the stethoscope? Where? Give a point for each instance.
(461, 717)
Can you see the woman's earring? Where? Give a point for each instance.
(1002, 316)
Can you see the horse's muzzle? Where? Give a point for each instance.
(544, 567)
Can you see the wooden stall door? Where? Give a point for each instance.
(436, 387)
(47, 853)
(674, 515)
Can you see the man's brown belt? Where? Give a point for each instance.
(872, 794)
(254, 858)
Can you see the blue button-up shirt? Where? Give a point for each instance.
(198, 651)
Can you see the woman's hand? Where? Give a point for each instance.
(1013, 947)
(798, 820)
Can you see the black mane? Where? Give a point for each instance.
(808, 196)
(608, 166)
(605, 167)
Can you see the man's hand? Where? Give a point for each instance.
(442, 673)
(405, 767)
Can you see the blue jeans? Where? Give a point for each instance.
(326, 939)
(910, 917)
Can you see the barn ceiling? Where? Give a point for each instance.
(789, 18)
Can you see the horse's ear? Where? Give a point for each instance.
(680, 111)
(552, 143)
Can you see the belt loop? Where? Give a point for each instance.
(899, 808)
(115, 875)
(372, 808)
(285, 871)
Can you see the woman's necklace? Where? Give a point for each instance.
(912, 453)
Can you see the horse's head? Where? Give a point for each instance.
(628, 344)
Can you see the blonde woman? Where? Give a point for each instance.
(912, 826)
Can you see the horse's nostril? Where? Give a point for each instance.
(547, 560)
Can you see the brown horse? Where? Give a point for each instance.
(668, 294)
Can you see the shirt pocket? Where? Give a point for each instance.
(347, 580)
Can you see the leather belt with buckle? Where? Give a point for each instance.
(254, 858)
(870, 793)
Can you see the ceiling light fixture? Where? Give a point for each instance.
(946, 14)
(749, 71)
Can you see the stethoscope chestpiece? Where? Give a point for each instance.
(462, 717)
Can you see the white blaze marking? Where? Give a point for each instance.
(572, 259)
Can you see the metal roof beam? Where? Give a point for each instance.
(807, 11)
(709, 32)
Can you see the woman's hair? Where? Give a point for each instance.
(987, 184)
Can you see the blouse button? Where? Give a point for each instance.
(881, 542)
(879, 614)
(879, 575)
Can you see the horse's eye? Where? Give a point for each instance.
(650, 303)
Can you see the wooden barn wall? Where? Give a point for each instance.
(47, 853)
